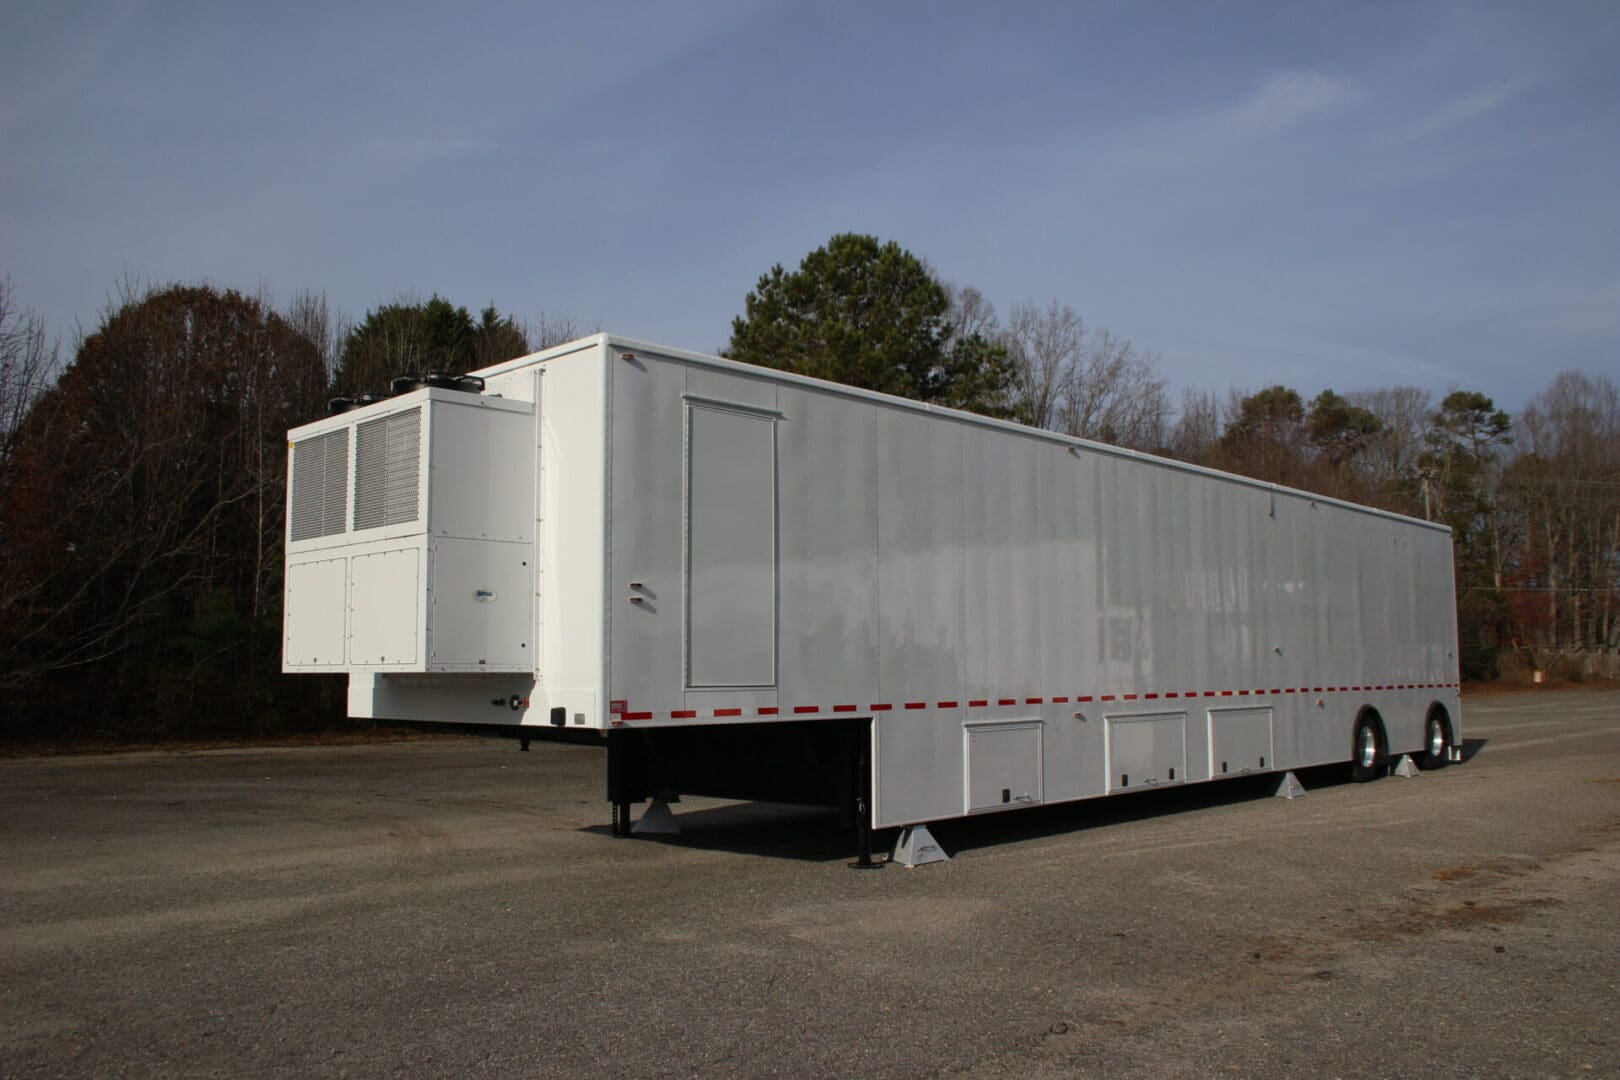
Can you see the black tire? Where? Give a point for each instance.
(1367, 748)
(1436, 740)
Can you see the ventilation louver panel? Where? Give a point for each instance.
(320, 481)
(387, 470)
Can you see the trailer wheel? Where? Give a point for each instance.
(1367, 748)
(1436, 740)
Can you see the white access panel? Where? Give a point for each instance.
(384, 617)
(479, 600)
(316, 613)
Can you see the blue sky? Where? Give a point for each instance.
(1315, 194)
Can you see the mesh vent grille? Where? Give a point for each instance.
(387, 463)
(320, 475)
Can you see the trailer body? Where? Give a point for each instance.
(754, 584)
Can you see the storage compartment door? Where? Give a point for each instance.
(1239, 741)
(1146, 750)
(730, 548)
(1003, 765)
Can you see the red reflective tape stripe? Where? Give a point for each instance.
(683, 714)
(806, 708)
(947, 705)
(885, 707)
(1149, 697)
(1211, 693)
(1006, 701)
(1060, 701)
(843, 708)
(638, 716)
(1129, 697)
(979, 704)
(728, 712)
(768, 710)
(1032, 701)
(1172, 694)
(1083, 698)
(1108, 697)
(1274, 690)
(916, 704)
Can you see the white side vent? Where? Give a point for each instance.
(387, 470)
(320, 480)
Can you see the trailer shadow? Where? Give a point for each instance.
(992, 830)
(812, 833)
(777, 830)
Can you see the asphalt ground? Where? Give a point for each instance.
(457, 908)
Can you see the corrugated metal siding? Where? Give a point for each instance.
(320, 475)
(387, 470)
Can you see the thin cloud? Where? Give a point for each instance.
(1459, 111)
(1282, 101)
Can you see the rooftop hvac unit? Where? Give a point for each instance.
(410, 531)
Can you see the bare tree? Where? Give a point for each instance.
(312, 316)
(1392, 456)
(1565, 484)
(1116, 395)
(28, 365)
(1046, 347)
(1197, 430)
(552, 328)
(1084, 382)
(970, 312)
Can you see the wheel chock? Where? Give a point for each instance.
(1406, 766)
(1289, 787)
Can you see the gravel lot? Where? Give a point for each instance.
(455, 907)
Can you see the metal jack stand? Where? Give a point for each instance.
(863, 812)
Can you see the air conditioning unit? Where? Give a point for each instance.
(410, 537)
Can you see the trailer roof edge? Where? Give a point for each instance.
(792, 378)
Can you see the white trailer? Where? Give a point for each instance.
(751, 584)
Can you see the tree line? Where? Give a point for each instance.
(142, 478)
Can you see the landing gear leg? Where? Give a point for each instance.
(863, 804)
